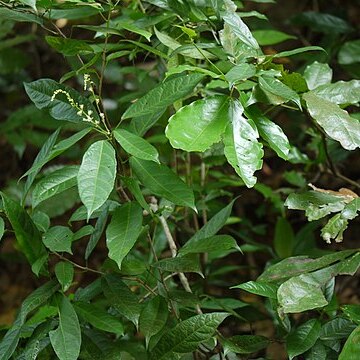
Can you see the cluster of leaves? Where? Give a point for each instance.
(146, 169)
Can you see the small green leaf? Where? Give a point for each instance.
(163, 95)
(186, 263)
(66, 339)
(351, 348)
(123, 231)
(297, 51)
(258, 288)
(64, 272)
(162, 181)
(245, 344)
(68, 47)
(187, 335)
(58, 238)
(96, 175)
(55, 183)
(136, 145)
(303, 338)
(197, 126)
(317, 74)
(349, 53)
(336, 122)
(240, 72)
(271, 37)
(153, 317)
(99, 318)
(242, 149)
(352, 312)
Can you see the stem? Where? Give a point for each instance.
(85, 268)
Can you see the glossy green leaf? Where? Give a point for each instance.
(240, 72)
(187, 335)
(136, 145)
(270, 132)
(96, 175)
(153, 317)
(64, 272)
(186, 263)
(197, 126)
(123, 231)
(349, 53)
(317, 74)
(58, 238)
(209, 244)
(99, 318)
(335, 121)
(303, 338)
(163, 95)
(68, 47)
(245, 344)
(121, 298)
(271, 37)
(55, 183)
(301, 293)
(258, 288)
(66, 339)
(27, 235)
(352, 312)
(162, 181)
(10, 341)
(351, 348)
(41, 93)
(341, 92)
(242, 149)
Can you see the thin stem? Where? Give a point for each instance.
(84, 268)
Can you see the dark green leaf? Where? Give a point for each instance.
(58, 238)
(351, 348)
(258, 288)
(271, 37)
(245, 344)
(2, 228)
(186, 263)
(64, 272)
(352, 312)
(284, 238)
(68, 47)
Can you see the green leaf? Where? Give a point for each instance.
(10, 341)
(240, 30)
(153, 317)
(351, 348)
(66, 339)
(301, 293)
(317, 74)
(55, 183)
(245, 344)
(2, 228)
(187, 335)
(277, 92)
(68, 47)
(186, 263)
(336, 122)
(197, 126)
(209, 244)
(242, 150)
(352, 312)
(121, 298)
(162, 181)
(123, 231)
(336, 329)
(41, 92)
(271, 37)
(136, 146)
(163, 95)
(284, 238)
(58, 238)
(96, 175)
(64, 272)
(99, 318)
(303, 338)
(27, 235)
(258, 288)
(341, 92)
(349, 53)
(240, 72)
(296, 51)
(134, 187)
(270, 132)
(18, 16)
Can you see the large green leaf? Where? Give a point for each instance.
(197, 126)
(351, 348)
(317, 74)
(186, 263)
(337, 329)
(336, 122)
(99, 318)
(41, 93)
(303, 338)
(162, 181)
(259, 288)
(27, 235)
(187, 335)
(55, 183)
(136, 145)
(66, 339)
(10, 341)
(123, 231)
(242, 149)
(163, 95)
(96, 175)
(341, 92)
(245, 344)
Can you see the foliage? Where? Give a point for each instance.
(171, 108)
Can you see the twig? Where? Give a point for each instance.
(85, 268)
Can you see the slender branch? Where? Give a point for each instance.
(84, 268)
